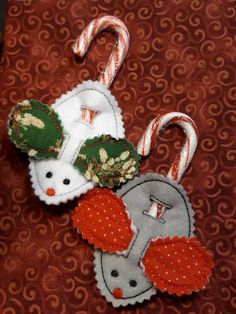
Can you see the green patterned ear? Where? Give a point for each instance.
(107, 161)
(35, 129)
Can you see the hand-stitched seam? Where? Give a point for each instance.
(76, 153)
(64, 146)
(136, 235)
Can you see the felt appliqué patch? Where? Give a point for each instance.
(102, 219)
(178, 265)
(36, 129)
(107, 161)
(145, 266)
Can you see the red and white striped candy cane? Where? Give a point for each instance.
(183, 159)
(119, 52)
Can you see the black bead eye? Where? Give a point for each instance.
(114, 273)
(66, 181)
(133, 283)
(48, 174)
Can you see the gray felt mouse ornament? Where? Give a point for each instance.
(144, 234)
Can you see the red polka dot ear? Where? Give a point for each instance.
(102, 219)
(178, 266)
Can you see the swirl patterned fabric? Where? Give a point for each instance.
(182, 58)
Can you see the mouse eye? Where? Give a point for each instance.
(66, 181)
(114, 273)
(133, 283)
(48, 174)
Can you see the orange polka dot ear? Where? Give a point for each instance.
(101, 218)
(178, 265)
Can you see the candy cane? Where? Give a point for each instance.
(87, 115)
(119, 52)
(183, 159)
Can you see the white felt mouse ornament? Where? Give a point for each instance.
(78, 142)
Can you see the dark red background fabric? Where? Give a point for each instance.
(182, 57)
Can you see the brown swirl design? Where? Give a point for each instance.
(182, 57)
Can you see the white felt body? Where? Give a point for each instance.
(108, 120)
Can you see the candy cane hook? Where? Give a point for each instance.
(183, 159)
(119, 52)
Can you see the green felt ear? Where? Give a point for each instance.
(35, 129)
(107, 161)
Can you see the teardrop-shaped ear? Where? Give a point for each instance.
(101, 218)
(36, 129)
(178, 265)
(107, 161)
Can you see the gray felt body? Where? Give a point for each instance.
(177, 220)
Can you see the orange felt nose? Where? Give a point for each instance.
(117, 292)
(50, 192)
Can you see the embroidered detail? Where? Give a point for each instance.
(107, 161)
(102, 219)
(36, 129)
(178, 265)
(32, 152)
(27, 119)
